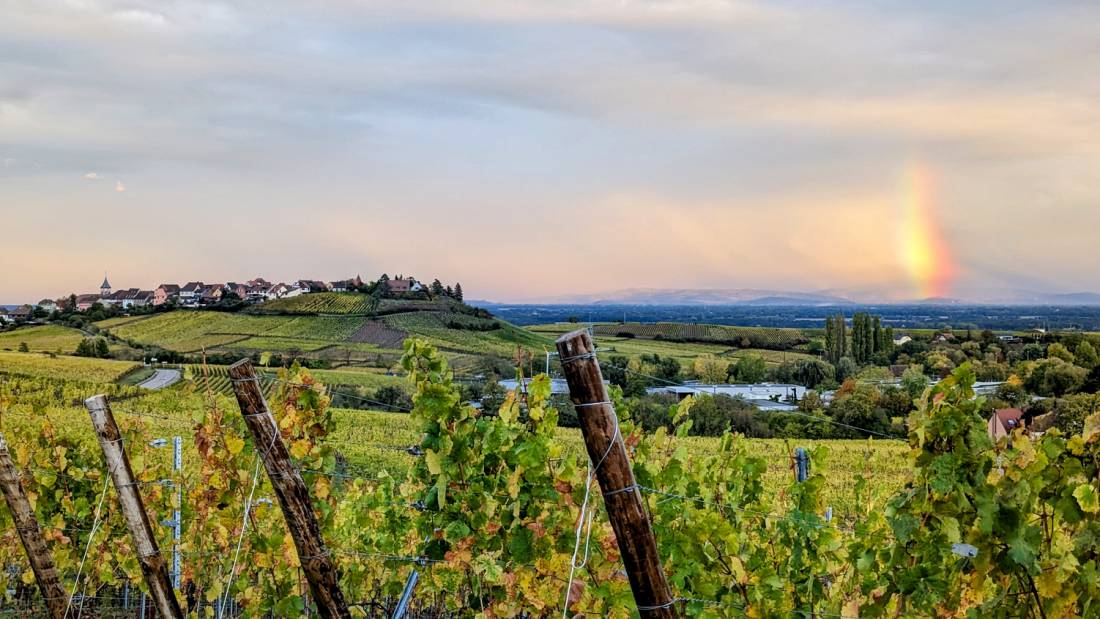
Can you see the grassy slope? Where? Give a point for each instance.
(44, 338)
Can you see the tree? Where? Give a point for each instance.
(1055, 377)
(1013, 391)
(914, 381)
(846, 368)
(458, 292)
(437, 287)
(877, 335)
(23, 347)
(750, 369)
(1059, 351)
(710, 369)
(92, 347)
(809, 372)
(859, 410)
(1070, 415)
(1085, 355)
(836, 345)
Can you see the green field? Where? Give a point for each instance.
(743, 337)
(45, 338)
(684, 351)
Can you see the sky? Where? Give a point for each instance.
(535, 150)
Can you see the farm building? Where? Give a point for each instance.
(558, 386)
(758, 391)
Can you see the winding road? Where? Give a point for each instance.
(161, 379)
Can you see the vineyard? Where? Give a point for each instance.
(492, 510)
(215, 379)
(46, 338)
(349, 303)
(62, 368)
(744, 337)
(329, 336)
(319, 303)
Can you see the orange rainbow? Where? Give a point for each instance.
(924, 249)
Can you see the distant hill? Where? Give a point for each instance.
(830, 297)
(705, 296)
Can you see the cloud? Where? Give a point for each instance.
(727, 130)
(119, 187)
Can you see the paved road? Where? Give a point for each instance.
(161, 379)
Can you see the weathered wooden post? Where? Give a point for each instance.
(153, 565)
(291, 490)
(801, 465)
(45, 573)
(622, 496)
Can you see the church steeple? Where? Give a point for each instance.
(105, 287)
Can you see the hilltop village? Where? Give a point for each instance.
(227, 295)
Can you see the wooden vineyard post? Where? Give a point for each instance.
(45, 573)
(153, 565)
(292, 492)
(622, 496)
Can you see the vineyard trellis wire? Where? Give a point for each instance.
(705, 488)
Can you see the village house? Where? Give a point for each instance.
(901, 339)
(241, 290)
(403, 285)
(84, 302)
(48, 305)
(312, 285)
(141, 298)
(165, 293)
(130, 297)
(191, 292)
(345, 285)
(255, 292)
(294, 291)
(212, 294)
(276, 291)
(4, 318)
(1004, 421)
(23, 312)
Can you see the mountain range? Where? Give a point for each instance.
(756, 296)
